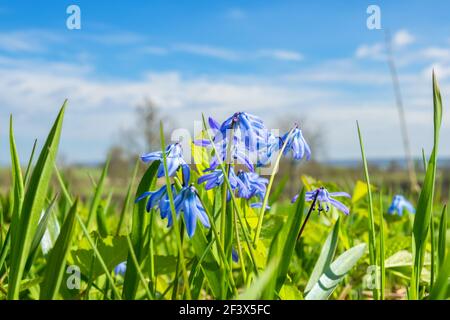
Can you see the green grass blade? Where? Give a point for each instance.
(127, 201)
(99, 257)
(325, 258)
(138, 268)
(97, 195)
(424, 205)
(440, 288)
(334, 274)
(288, 237)
(442, 242)
(33, 203)
(30, 162)
(40, 231)
(138, 232)
(382, 252)
(372, 239)
(56, 264)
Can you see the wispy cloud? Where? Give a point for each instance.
(285, 55)
(207, 51)
(376, 51)
(30, 41)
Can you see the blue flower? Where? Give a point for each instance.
(324, 199)
(269, 147)
(251, 184)
(398, 203)
(215, 178)
(246, 127)
(174, 159)
(187, 201)
(243, 131)
(120, 269)
(296, 144)
(159, 199)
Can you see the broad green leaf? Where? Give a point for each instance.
(326, 256)
(113, 250)
(334, 274)
(422, 217)
(33, 204)
(56, 263)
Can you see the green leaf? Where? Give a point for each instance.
(288, 238)
(440, 288)
(33, 204)
(137, 232)
(334, 274)
(326, 256)
(258, 286)
(56, 264)
(422, 217)
(97, 195)
(40, 231)
(442, 243)
(112, 249)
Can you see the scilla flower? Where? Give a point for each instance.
(187, 201)
(251, 184)
(174, 158)
(159, 199)
(398, 204)
(324, 199)
(296, 144)
(120, 269)
(215, 178)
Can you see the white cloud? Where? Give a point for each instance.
(31, 41)
(402, 38)
(377, 51)
(374, 51)
(285, 55)
(208, 51)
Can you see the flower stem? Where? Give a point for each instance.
(269, 187)
(174, 218)
(311, 209)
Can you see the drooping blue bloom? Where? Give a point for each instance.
(120, 269)
(159, 199)
(174, 159)
(187, 201)
(245, 133)
(251, 184)
(269, 147)
(398, 204)
(324, 199)
(215, 178)
(246, 127)
(296, 144)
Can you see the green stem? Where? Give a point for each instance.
(174, 216)
(269, 187)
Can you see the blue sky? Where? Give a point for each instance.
(315, 61)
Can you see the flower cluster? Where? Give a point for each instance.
(243, 139)
(185, 199)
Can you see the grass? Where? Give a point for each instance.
(285, 252)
